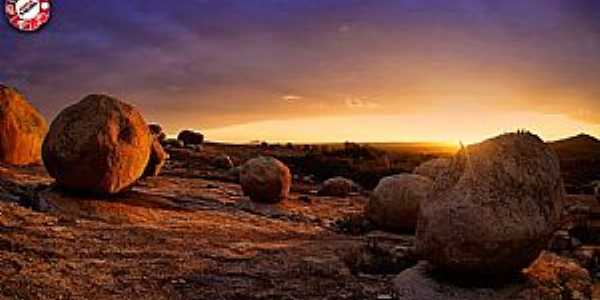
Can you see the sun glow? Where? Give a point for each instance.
(452, 129)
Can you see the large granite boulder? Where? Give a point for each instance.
(22, 129)
(394, 204)
(432, 168)
(99, 145)
(338, 187)
(265, 179)
(495, 208)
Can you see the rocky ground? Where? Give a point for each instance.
(190, 234)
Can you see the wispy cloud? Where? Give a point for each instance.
(361, 103)
(291, 98)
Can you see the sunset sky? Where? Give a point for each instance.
(322, 70)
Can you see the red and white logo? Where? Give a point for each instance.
(27, 15)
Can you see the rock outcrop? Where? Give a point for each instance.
(394, 204)
(338, 187)
(22, 129)
(99, 145)
(494, 209)
(432, 168)
(265, 179)
(189, 137)
(555, 277)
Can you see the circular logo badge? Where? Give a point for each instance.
(27, 15)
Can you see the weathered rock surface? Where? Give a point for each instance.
(432, 168)
(554, 278)
(22, 129)
(99, 145)
(494, 209)
(144, 244)
(394, 204)
(338, 187)
(265, 179)
(158, 158)
(189, 137)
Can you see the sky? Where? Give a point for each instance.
(322, 70)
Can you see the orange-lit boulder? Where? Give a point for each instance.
(494, 209)
(265, 179)
(99, 145)
(22, 129)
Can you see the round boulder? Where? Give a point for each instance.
(22, 129)
(494, 209)
(99, 145)
(338, 187)
(394, 204)
(189, 137)
(265, 179)
(432, 168)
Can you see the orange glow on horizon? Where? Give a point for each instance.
(467, 127)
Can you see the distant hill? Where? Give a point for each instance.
(579, 161)
(579, 144)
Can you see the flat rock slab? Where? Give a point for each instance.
(418, 283)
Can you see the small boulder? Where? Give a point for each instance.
(338, 187)
(22, 129)
(157, 131)
(158, 158)
(394, 204)
(99, 145)
(432, 168)
(494, 209)
(189, 137)
(265, 179)
(223, 161)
